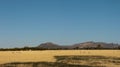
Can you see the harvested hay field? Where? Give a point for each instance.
(60, 58)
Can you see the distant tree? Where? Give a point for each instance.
(76, 47)
(26, 48)
(99, 46)
(118, 47)
(87, 47)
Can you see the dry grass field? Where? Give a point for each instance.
(59, 58)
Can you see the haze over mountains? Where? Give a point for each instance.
(90, 44)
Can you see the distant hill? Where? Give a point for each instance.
(95, 44)
(53, 46)
(49, 45)
(90, 44)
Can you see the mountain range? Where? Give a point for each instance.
(89, 44)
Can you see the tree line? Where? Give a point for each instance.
(99, 47)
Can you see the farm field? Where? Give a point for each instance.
(59, 58)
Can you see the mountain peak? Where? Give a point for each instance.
(48, 45)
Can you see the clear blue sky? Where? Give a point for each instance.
(31, 22)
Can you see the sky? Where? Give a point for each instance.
(64, 22)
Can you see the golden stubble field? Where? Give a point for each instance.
(49, 55)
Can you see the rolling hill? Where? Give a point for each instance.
(90, 44)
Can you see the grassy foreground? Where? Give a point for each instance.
(60, 58)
